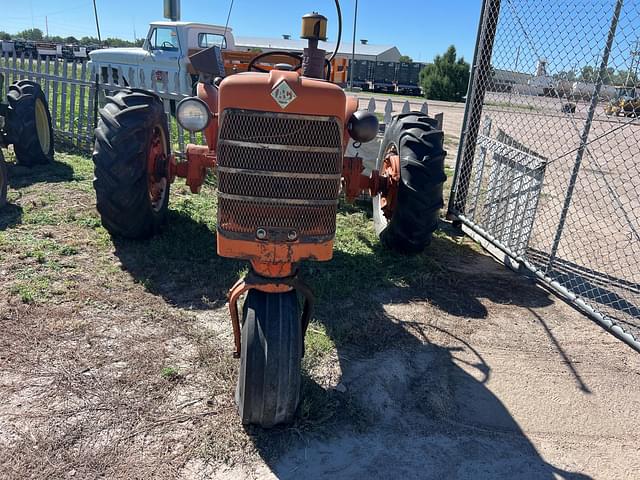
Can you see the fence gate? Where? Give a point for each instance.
(548, 170)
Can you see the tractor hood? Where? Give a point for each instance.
(126, 56)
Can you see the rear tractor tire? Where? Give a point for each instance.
(29, 124)
(268, 390)
(132, 186)
(415, 138)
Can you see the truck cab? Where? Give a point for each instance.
(163, 61)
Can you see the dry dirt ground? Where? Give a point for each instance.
(115, 357)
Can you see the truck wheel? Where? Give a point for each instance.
(131, 168)
(29, 123)
(4, 181)
(268, 389)
(412, 152)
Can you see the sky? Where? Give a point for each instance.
(420, 29)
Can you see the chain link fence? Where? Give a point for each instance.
(548, 170)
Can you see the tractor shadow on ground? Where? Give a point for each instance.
(10, 215)
(417, 386)
(54, 172)
(411, 410)
(181, 264)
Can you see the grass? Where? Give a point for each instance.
(147, 323)
(517, 106)
(170, 374)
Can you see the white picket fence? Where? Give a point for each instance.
(75, 93)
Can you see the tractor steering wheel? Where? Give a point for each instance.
(254, 68)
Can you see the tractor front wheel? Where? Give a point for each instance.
(131, 164)
(411, 153)
(29, 124)
(268, 389)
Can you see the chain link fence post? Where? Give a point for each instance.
(475, 98)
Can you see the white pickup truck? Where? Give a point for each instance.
(163, 61)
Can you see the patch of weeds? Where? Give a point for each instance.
(32, 216)
(317, 345)
(68, 250)
(102, 237)
(39, 255)
(32, 290)
(171, 374)
(516, 106)
(88, 221)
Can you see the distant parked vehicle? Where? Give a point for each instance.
(163, 60)
(8, 47)
(389, 77)
(75, 53)
(626, 103)
(47, 50)
(25, 48)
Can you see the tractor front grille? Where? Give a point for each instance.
(278, 174)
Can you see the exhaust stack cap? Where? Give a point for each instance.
(172, 10)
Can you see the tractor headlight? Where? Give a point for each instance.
(193, 114)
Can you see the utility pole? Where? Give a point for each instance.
(635, 62)
(46, 25)
(95, 13)
(353, 49)
(634, 56)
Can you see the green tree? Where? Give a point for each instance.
(569, 76)
(89, 41)
(31, 34)
(625, 77)
(4, 35)
(446, 78)
(405, 59)
(587, 74)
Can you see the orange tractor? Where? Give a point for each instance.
(276, 139)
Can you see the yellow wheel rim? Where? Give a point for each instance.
(42, 127)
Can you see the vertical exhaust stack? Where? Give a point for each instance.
(314, 29)
(172, 10)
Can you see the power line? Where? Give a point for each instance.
(226, 26)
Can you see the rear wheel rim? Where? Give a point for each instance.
(157, 179)
(388, 167)
(42, 127)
